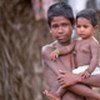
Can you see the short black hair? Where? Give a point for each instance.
(60, 9)
(89, 14)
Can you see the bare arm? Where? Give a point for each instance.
(94, 47)
(54, 66)
(67, 49)
(62, 51)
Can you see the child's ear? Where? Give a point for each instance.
(96, 27)
(50, 30)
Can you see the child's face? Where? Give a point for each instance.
(84, 28)
(61, 29)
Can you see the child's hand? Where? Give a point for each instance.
(85, 74)
(54, 55)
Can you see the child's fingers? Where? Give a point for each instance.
(53, 57)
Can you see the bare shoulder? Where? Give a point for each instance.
(47, 49)
(94, 41)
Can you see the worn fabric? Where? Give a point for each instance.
(81, 69)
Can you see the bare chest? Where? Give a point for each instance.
(68, 61)
(82, 47)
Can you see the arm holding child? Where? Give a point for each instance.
(62, 51)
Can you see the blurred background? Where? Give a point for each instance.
(23, 31)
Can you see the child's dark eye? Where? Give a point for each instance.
(85, 26)
(79, 26)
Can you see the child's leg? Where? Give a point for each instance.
(78, 89)
(60, 92)
(66, 96)
(84, 91)
(90, 99)
(51, 95)
(93, 80)
(71, 96)
(55, 96)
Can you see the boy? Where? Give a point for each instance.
(61, 20)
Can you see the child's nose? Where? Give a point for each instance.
(82, 29)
